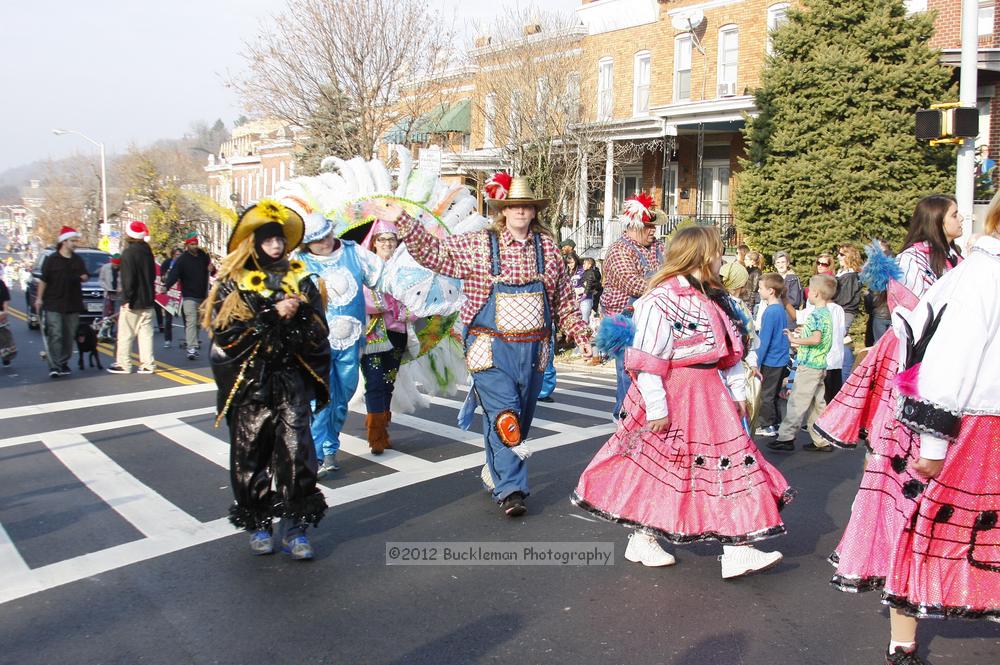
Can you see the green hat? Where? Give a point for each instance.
(191, 238)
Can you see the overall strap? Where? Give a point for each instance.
(494, 253)
(539, 255)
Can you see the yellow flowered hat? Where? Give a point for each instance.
(263, 212)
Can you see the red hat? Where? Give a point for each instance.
(191, 238)
(116, 259)
(639, 210)
(136, 230)
(65, 233)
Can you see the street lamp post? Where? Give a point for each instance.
(104, 179)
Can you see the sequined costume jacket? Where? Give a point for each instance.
(254, 359)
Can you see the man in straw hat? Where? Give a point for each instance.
(515, 284)
(630, 262)
(270, 358)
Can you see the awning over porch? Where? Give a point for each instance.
(443, 119)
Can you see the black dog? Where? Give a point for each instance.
(86, 342)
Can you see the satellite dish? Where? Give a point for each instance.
(688, 21)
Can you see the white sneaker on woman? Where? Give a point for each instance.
(643, 548)
(738, 560)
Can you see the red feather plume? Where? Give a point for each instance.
(498, 185)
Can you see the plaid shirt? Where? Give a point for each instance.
(624, 276)
(467, 257)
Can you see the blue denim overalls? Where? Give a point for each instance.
(624, 382)
(506, 350)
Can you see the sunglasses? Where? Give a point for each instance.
(824, 264)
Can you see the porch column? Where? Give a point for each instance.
(582, 193)
(609, 198)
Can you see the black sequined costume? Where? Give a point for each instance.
(268, 369)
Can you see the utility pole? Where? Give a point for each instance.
(965, 176)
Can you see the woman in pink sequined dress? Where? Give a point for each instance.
(681, 466)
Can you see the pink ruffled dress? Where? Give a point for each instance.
(703, 478)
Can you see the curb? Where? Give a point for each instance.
(607, 369)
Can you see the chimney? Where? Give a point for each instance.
(532, 29)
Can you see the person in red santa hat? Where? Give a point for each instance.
(59, 300)
(138, 276)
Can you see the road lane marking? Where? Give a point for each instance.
(169, 529)
(142, 507)
(105, 400)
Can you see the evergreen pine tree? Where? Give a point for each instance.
(332, 130)
(832, 156)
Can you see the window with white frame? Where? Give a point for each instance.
(776, 15)
(541, 102)
(572, 100)
(986, 13)
(914, 6)
(605, 80)
(682, 68)
(640, 83)
(489, 120)
(729, 54)
(514, 116)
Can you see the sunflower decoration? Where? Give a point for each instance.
(253, 280)
(290, 282)
(296, 265)
(273, 210)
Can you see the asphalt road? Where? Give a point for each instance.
(114, 547)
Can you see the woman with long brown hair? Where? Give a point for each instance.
(866, 407)
(682, 466)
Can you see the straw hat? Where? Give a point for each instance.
(519, 194)
(264, 212)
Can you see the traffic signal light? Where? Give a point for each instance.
(947, 123)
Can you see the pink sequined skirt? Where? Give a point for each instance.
(850, 416)
(883, 506)
(947, 560)
(703, 479)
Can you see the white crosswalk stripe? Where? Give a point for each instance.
(167, 528)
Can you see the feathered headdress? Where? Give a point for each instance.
(638, 209)
(879, 268)
(498, 185)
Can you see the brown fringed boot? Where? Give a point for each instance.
(378, 434)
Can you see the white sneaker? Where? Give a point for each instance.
(745, 559)
(643, 548)
(766, 431)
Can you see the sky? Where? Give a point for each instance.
(134, 71)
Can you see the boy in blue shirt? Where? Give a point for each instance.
(808, 392)
(772, 355)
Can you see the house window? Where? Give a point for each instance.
(604, 83)
(985, 17)
(914, 6)
(776, 16)
(489, 121)
(640, 83)
(682, 68)
(514, 117)
(729, 54)
(573, 98)
(541, 103)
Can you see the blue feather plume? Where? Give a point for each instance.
(879, 268)
(615, 334)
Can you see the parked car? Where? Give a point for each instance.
(93, 294)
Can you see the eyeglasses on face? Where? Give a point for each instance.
(825, 264)
(387, 239)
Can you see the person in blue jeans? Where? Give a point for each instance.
(772, 355)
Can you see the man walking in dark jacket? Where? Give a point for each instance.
(192, 269)
(138, 274)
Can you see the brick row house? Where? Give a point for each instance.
(648, 94)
